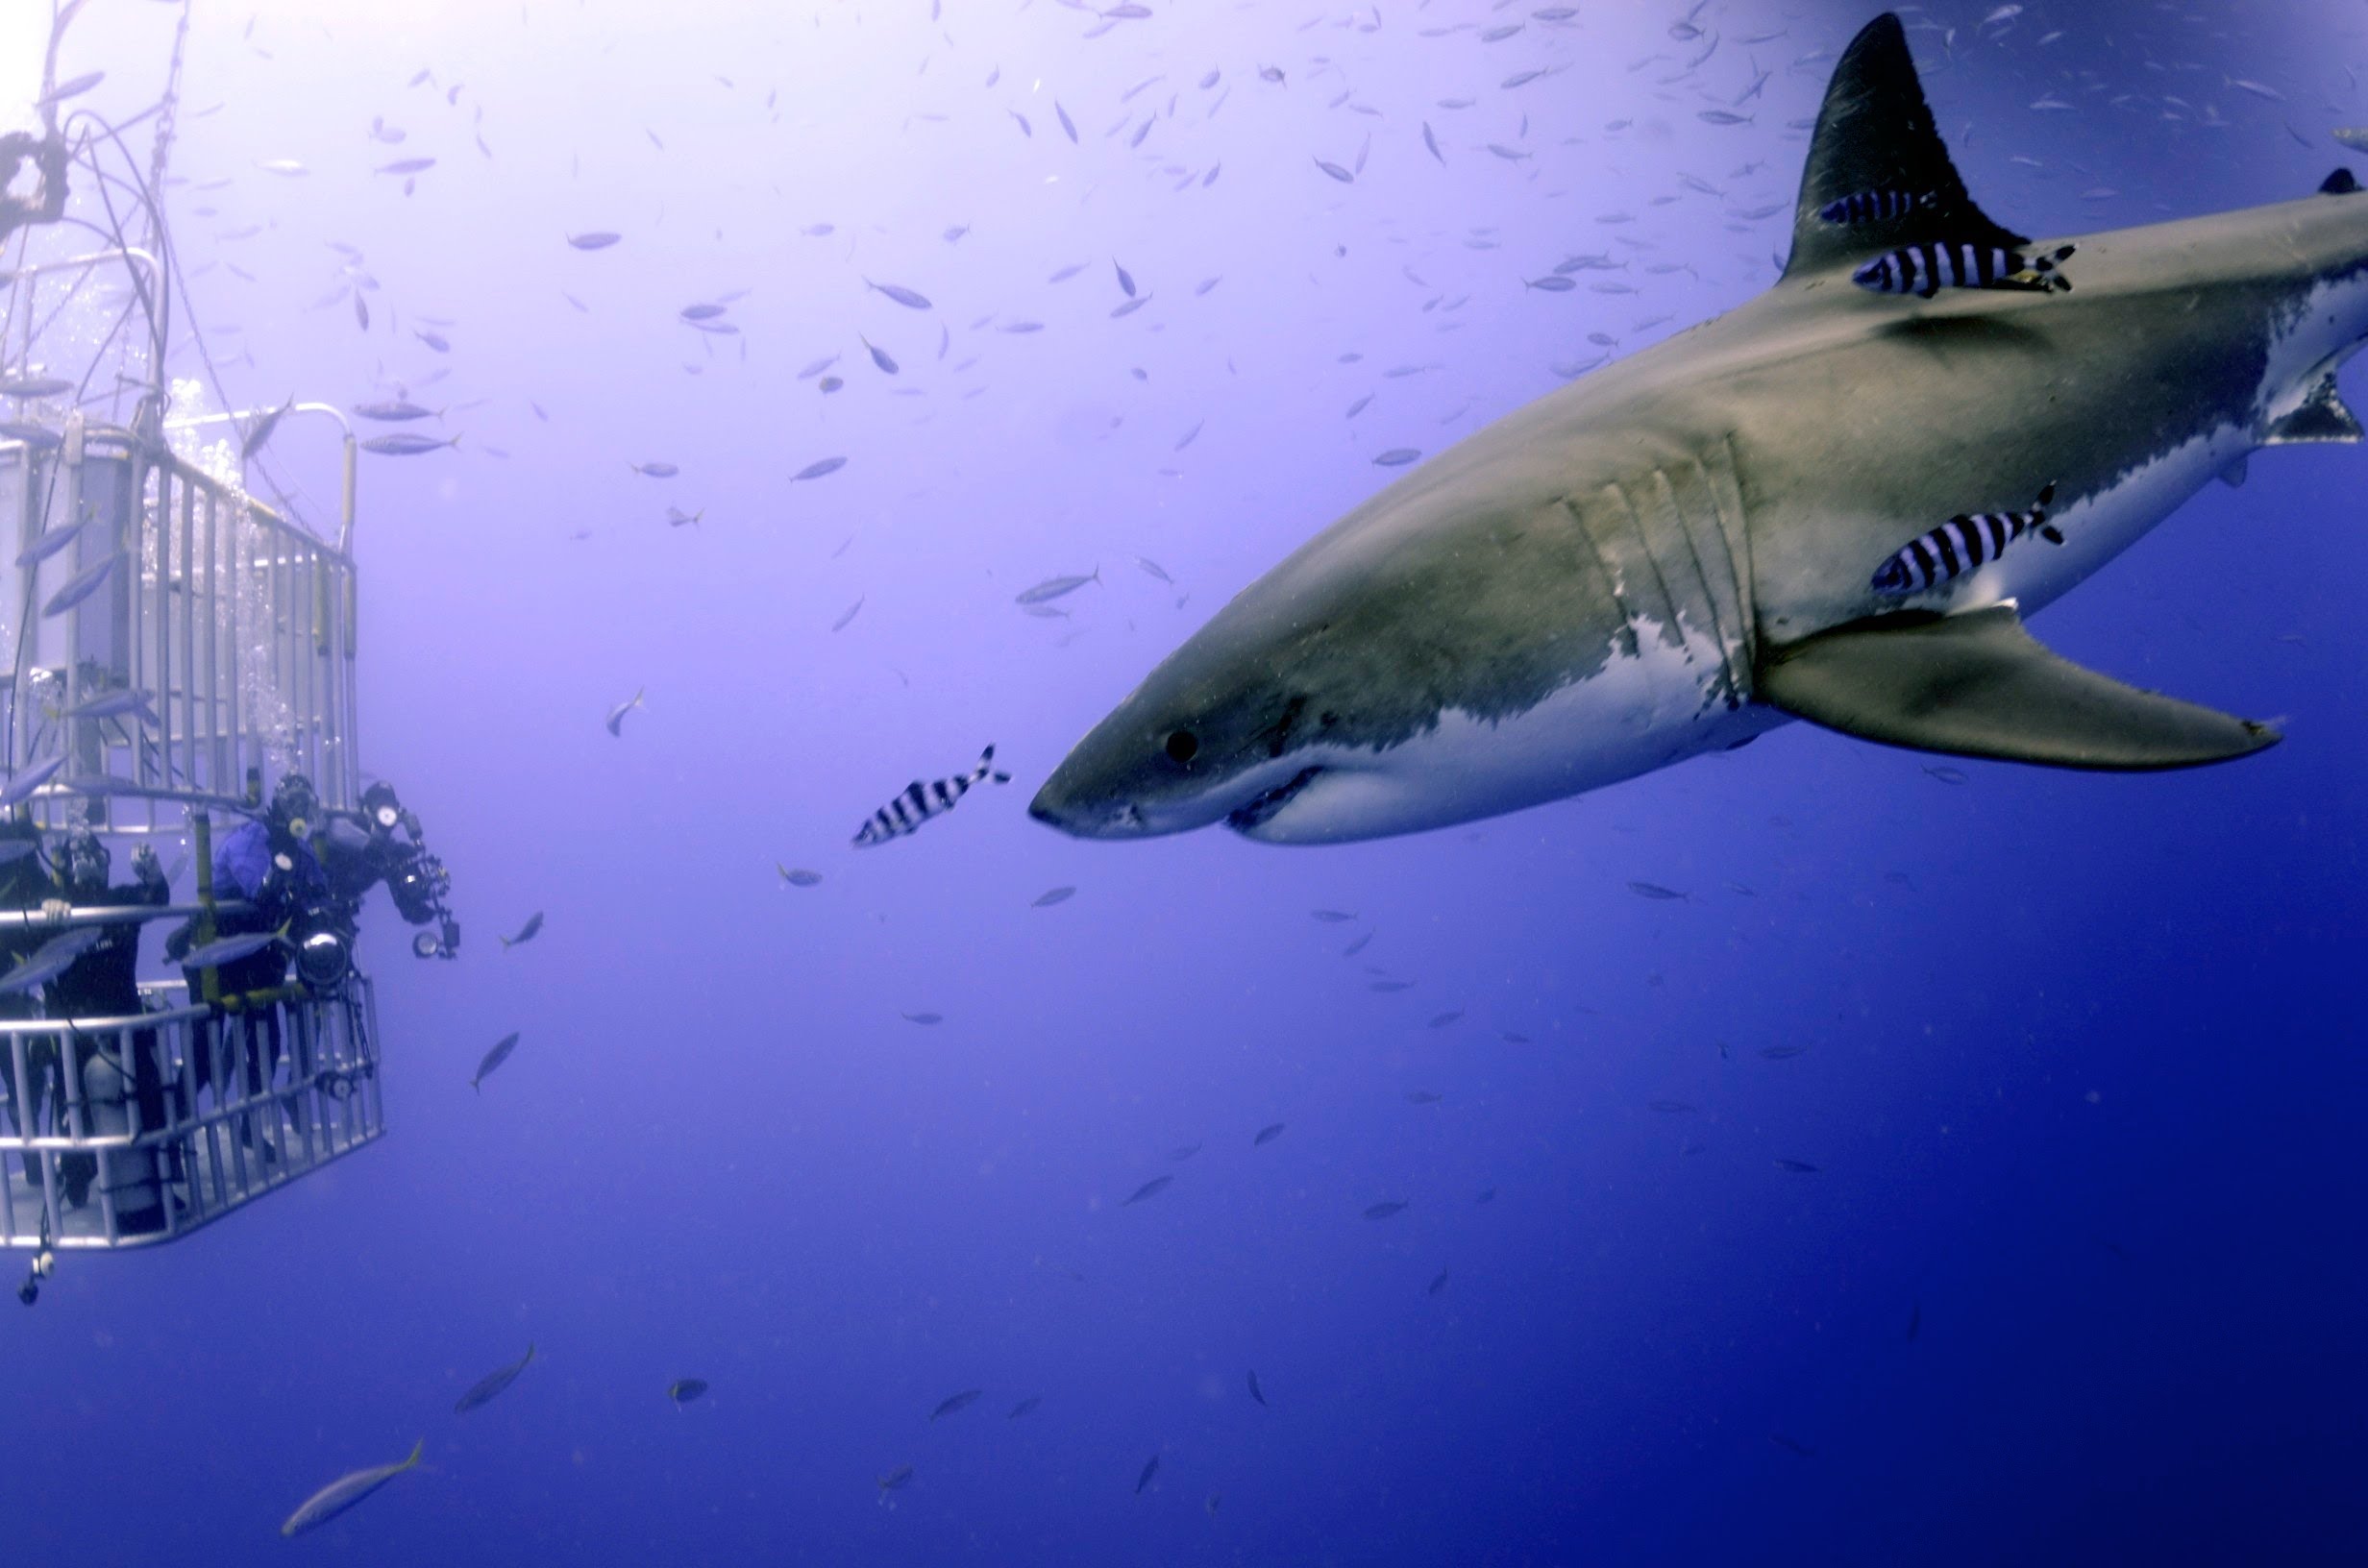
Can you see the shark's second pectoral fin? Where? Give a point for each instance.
(1979, 685)
(2320, 415)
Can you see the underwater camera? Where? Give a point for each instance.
(323, 958)
(415, 878)
(418, 887)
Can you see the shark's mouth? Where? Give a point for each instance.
(1262, 807)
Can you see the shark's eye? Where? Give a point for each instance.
(1183, 746)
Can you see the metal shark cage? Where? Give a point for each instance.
(169, 640)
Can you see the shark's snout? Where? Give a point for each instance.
(1080, 814)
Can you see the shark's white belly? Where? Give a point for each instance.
(2035, 573)
(1637, 712)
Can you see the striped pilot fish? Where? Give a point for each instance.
(921, 801)
(1925, 270)
(1960, 545)
(1874, 206)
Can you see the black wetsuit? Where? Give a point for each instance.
(103, 984)
(24, 883)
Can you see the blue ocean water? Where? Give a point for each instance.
(2077, 1274)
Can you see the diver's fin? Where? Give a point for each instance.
(1979, 685)
(1875, 134)
(2320, 416)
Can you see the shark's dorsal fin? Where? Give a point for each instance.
(1875, 134)
(1979, 685)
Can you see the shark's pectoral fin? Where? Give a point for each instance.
(2319, 416)
(1979, 685)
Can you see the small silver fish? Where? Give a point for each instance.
(344, 1492)
(261, 430)
(212, 955)
(50, 959)
(492, 1383)
(1052, 588)
(26, 780)
(113, 705)
(616, 715)
(495, 1057)
(79, 587)
(404, 444)
(395, 411)
(50, 542)
(74, 87)
(910, 299)
(39, 438)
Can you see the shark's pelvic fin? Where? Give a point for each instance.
(2321, 416)
(1875, 134)
(1979, 685)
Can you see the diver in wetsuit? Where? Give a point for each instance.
(269, 864)
(383, 845)
(24, 885)
(103, 984)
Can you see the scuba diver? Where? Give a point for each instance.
(304, 871)
(24, 885)
(383, 843)
(102, 984)
(268, 862)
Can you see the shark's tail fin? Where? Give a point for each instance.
(1879, 177)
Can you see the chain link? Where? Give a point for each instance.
(167, 120)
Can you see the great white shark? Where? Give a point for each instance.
(1677, 552)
